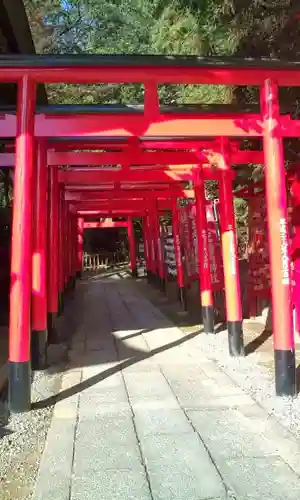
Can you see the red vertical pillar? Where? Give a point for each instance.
(284, 346)
(205, 285)
(66, 245)
(69, 247)
(252, 300)
(178, 254)
(61, 251)
(80, 230)
(53, 253)
(19, 373)
(150, 273)
(230, 261)
(73, 248)
(295, 250)
(161, 269)
(190, 209)
(146, 246)
(132, 249)
(154, 248)
(39, 335)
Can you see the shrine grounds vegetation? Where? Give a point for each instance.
(242, 28)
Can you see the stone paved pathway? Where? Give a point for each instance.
(143, 415)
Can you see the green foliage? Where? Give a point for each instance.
(131, 27)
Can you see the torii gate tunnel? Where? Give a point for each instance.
(108, 224)
(74, 162)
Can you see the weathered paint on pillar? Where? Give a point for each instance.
(39, 334)
(205, 285)
(19, 372)
(80, 230)
(178, 254)
(132, 249)
(230, 260)
(284, 345)
(53, 253)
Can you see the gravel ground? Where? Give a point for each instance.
(22, 439)
(256, 380)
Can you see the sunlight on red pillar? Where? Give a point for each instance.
(284, 344)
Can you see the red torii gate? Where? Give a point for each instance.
(151, 122)
(163, 201)
(108, 224)
(138, 174)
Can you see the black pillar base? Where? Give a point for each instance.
(19, 386)
(153, 279)
(52, 329)
(79, 275)
(163, 284)
(235, 338)
(149, 276)
(61, 303)
(134, 273)
(157, 280)
(285, 373)
(39, 342)
(182, 298)
(208, 319)
(73, 283)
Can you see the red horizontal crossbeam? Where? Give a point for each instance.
(194, 73)
(127, 158)
(104, 212)
(146, 158)
(96, 177)
(134, 158)
(84, 177)
(130, 195)
(132, 187)
(116, 145)
(121, 205)
(105, 225)
(139, 125)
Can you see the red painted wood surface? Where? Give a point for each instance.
(21, 256)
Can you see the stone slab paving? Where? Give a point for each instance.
(143, 415)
